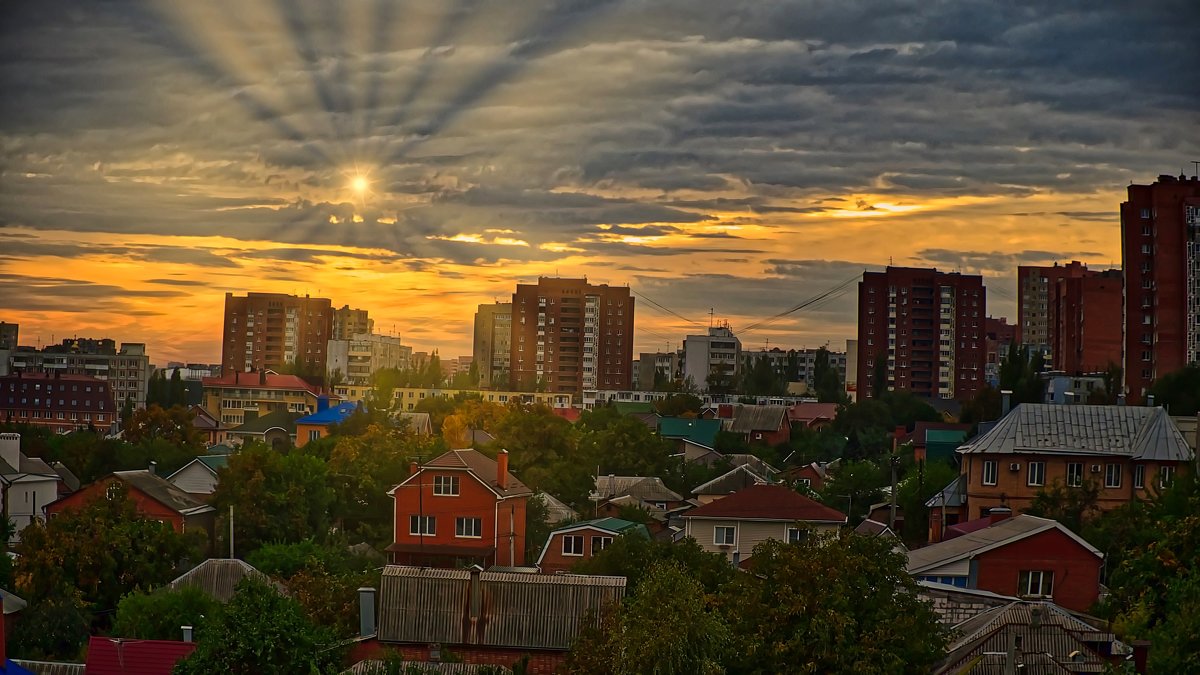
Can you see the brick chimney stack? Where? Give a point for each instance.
(998, 513)
(502, 469)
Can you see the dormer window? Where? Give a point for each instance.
(445, 486)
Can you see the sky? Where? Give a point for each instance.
(727, 160)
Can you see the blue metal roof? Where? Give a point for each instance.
(330, 415)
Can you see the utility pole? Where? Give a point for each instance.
(231, 531)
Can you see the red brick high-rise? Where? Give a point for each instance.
(270, 330)
(1035, 306)
(927, 326)
(1160, 251)
(1086, 333)
(572, 336)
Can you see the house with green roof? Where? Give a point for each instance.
(695, 438)
(199, 476)
(275, 427)
(580, 541)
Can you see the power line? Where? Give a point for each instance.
(804, 305)
(668, 310)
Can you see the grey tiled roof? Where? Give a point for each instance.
(1131, 431)
(163, 492)
(645, 488)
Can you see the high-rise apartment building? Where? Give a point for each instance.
(1087, 335)
(350, 322)
(356, 359)
(127, 370)
(1160, 252)
(493, 344)
(652, 367)
(926, 328)
(999, 335)
(1035, 308)
(711, 361)
(271, 330)
(569, 335)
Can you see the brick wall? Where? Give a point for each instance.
(954, 607)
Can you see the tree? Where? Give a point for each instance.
(1179, 391)
(826, 380)
(127, 411)
(261, 631)
(1020, 373)
(985, 406)
(666, 627)
(918, 487)
(173, 425)
(840, 603)
(159, 615)
(104, 549)
(632, 555)
(1071, 506)
(54, 627)
(275, 497)
(177, 392)
(855, 485)
(537, 526)
(679, 405)
(536, 440)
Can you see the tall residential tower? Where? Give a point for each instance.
(271, 330)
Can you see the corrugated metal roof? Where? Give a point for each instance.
(159, 489)
(52, 667)
(419, 605)
(731, 481)
(645, 488)
(1006, 531)
(699, 431)
(117, 656)
(1132, 431)
(556, 511)
(759, 418)
(219, 577)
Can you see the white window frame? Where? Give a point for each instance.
(1041, 474)
(1044, 580)
(1074, 471)
(1112, 475)
(722, 540)
(600, 542)
(573, 550)
(415, 522)
(992, 467)
(1166, 476)
(1139, 476)
(445, 486)
(794, 535)
(462, 531)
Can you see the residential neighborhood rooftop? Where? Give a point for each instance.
(484, 467)
(1011, 529)
(768, 502)
(159, 489)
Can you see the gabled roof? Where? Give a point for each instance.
(760, 465)
(163, 492)
(518, 611)
(114, 656)
(219, 577)
(698, 431)
(1137, 432)
(204, 419)
(768, 502)
(644, 488)
(210, 462)
(1007, 531)
(484, 468)
(556, 510)
(752, 418)
(261, 381)
(731, 481)
(12, 603)
(420, 422)
(334, 414)
(953, 494)
(65, 474)
(614, 526)
(276, 419)
(808, 412)
(34, 466)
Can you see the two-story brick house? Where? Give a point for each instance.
(461, 508)
(1123, 449)
(734, 525)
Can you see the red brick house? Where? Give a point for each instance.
(580, 541)
(763, 424)
(1022, 556)
(154, 496)
(812, 475)
(460, 508)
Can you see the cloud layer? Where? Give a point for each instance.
(738, 156)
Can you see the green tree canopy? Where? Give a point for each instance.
(830, 604)
(827, 381)
(633, 555)
(159, 615)
(1180, 390)
(679, 405)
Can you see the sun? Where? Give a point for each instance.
(360, 184)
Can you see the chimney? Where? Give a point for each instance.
(187, 633)
(1005, 401)
(998, 513)
(366, 612)
(1120, 399)
(412, 467)
(262, 377)
(10, 450)
(502, 469)
(476, 591)
(1141, 653)
(153, 468)
(322, 403)
(1150, 400)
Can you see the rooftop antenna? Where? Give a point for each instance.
(710, 317)
(1196, 167)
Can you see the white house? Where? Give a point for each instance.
(199, 476)
(28, 484)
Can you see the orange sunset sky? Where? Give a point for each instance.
(417, 159)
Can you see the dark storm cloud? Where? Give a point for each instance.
(992, 262)
(552, 119)
(30, 293)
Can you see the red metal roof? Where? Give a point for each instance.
(258, 380)
(571, 415)
(767, 502)
(808, 412)
(126, 656)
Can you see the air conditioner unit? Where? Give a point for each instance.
(1095, 468)
(1014, 467)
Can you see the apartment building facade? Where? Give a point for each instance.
(271, 330)
(359, 357)
(233, 395)
(57, 401)
(127, 369)
(925, 328)
(656, 367)
(712, 360)
(569, 336)
(1035, 306)
(1160, 254)
(349, 322)
(1087, 337)
(492, 348)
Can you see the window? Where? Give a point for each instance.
(600, 543)
(989, 472)
(1166, 476)
(795, 535)
(723, 535)
(314, 434)
(1036, 583)
(1112, 475)
(1139, 476)
(468, 527)
(445, 485)
(1074, 474)
(415, 524)
(806, 482)
(572, 544)
(1037, 473)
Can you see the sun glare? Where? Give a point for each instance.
(359, 184)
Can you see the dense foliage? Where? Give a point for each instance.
(160, 615)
